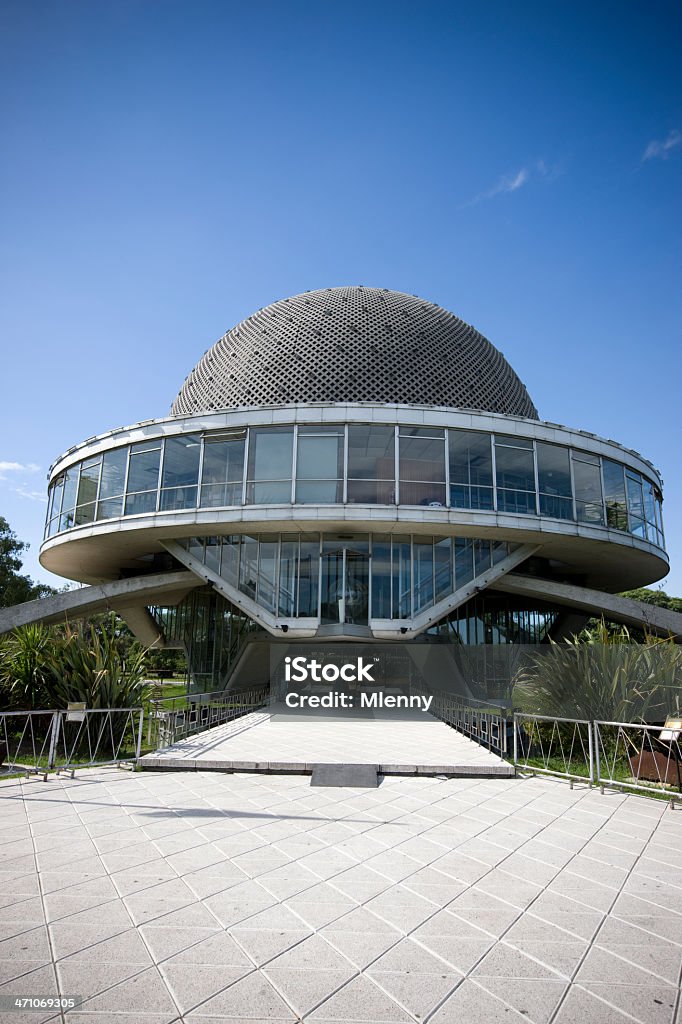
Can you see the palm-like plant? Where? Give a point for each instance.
(26, 665)
(602, 676)
(92, 666)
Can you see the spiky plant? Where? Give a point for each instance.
(26, 663)
(602, 676)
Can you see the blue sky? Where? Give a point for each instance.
(169, 167)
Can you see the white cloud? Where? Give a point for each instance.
(661, 148)
(16, 467)
(513, 182)
(31, 495)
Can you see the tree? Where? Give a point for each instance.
(657, 597)
(15, 588)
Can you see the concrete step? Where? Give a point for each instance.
(156, 762)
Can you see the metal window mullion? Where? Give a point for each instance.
(126, 478)
(200, 471)
(603, 491)
(536, 477)
(396, 462)
(162, 460)
(575, 504)
(294, 465)
(494, 469)
(344, 493)
(319, 576)
(247, 447)
(446, 445)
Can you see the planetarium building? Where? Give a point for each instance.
(353, 464)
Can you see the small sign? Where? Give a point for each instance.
(671, 730)
(75, 711)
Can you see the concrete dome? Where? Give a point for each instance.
(354, 344)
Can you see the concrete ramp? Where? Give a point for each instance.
(355, 776)
(271, 740)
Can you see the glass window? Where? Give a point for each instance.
(180, 472)
(288, 574)
(422, 466)
(267, 569)
(66, 519)
(142, 501)
(110, 508)
(481, 556)
(554, 479)
(614, 494)
(319, 465)
(633, 482)
(212, 553)
(248, 566)
(464, 561)
(229, 565)
(471, 469)
(442, 556)
(381, 576)
(113, 473)
(143, 478)
(89, 481)
(270, 460)
(371, 464)
(515, 474)
(308, 577)
(223, 469)
(423, 573)
(58, 489)
(401, 558)
(587, 484)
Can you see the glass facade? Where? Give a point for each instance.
(370, 464)
(214, 633)
(343, 579)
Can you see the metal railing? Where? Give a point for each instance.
(487, 724)
(632, 756)
(640, 757)
(196, 712)
(39, 742)
(554, 746)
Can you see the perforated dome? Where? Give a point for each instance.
(354, 345)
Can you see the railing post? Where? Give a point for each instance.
(516, 740)
(590, 744)
(597, 759)
(54, 739)
(139, 737)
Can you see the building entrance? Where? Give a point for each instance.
(345, 581)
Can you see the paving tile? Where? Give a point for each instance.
(409, 957)
(581, 1007)
(263, 944)
(305, 989)
(360, 1000)
(648, 1004)
(192, 984)
(415, 992)
(140, 994)
(462, 954)
(30, 944)
(504, 961)
(361, 948)
(251, 997)
(474, 1005)
(127, 947)
(536, 999)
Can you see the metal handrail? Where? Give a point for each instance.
(37, 749)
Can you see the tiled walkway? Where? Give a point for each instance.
(389, 739)
(205, 898)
